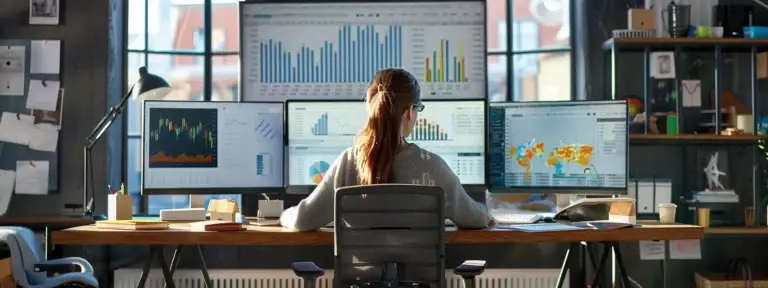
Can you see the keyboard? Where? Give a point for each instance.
(512, 218)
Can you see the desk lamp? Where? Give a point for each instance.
(149, 86)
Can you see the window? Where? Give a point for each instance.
(536, 65)
(169, 38)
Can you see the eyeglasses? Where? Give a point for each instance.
(419, 107)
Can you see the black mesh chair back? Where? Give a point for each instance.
(389, 235)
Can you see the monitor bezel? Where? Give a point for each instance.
(562, 189)
(206, 191)
(311, 187)
(243, 89)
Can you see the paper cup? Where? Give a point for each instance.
(667, 212)
(717, 32)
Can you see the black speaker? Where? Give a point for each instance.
(733, 18)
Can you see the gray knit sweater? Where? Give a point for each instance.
(412, 165)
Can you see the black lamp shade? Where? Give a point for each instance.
(150, 86)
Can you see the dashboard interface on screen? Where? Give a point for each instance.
(319, 131)
(331, 50)
(558, 145)
(208, 145)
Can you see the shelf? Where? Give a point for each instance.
(727, 44)
(692, 138)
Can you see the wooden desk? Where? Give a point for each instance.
(179, 234)
(760, 230)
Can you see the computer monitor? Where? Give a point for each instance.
(331, 49)
(318, 131)
(558, 147)
(193, 147)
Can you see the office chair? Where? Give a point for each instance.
(389, 235)
(30, 269)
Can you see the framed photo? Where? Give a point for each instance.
(44, 12)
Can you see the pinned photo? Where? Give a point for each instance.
(44, 12)
(51, 117)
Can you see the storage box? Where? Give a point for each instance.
(223, 209)
(119, 207)
(641, 19)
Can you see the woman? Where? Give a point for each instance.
(381, 155)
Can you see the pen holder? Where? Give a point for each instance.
(270, 208)
(119, 207)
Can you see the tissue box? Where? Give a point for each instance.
(119, 207)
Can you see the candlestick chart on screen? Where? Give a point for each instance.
(182, 138)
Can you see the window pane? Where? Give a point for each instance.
(184, 73)
(542, 77)
(137, 13)
(133, 172)
(226, 82)
(175, 25)
(546, 22)
(135, 61)
(497, 78)
(225, 35)
(497, 25)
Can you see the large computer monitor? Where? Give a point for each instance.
(192, 147)
(318, 131)
(558, 147)
(331, 49)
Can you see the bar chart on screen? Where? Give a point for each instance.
(332, 52)
(451, 65)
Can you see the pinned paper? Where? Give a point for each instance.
(691, 93)
(51, 117)
(16, 128)
(12, 70)
(663, 65)
(685, 249)
(653, 250)
(7, 179)
(46, 57)
(45, 137)
(32, 177)
(43, 95)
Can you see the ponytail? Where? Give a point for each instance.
(377, 144)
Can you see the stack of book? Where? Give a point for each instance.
(132, 224)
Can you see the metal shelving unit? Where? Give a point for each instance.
(717, 46)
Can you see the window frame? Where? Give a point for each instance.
(508, 52)
(207, 53)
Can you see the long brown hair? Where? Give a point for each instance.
(391, 93)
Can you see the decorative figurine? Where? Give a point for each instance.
(713, 174)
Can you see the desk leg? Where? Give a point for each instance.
(620, 262)
(573, 263)
(597, 279)
(204, 268)
(166, 270)
(175, 261)
(148, 266)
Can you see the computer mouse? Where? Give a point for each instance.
(546, 220)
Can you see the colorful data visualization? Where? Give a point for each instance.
(182, 138)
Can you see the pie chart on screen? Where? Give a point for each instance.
(317, 171)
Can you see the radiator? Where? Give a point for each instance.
(274, 278)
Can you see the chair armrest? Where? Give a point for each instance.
(307, 270)
(84, 265)
(61, 268)
(470, 268)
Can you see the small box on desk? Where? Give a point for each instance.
(119, 207)
(223, 209)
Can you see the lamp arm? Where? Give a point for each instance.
(107, 120)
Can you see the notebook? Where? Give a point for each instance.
(132, 224)
(215, 225)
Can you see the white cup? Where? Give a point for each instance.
(717, 32)
(667, 212)
(745, 122)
